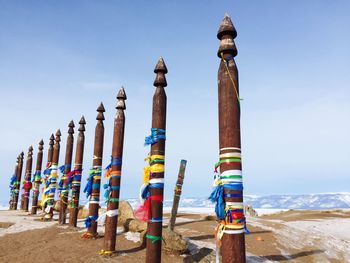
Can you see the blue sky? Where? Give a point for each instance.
(60, 59)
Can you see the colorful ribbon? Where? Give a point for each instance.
(156, 135)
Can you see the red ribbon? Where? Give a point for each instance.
(27, 185)
(143, 212)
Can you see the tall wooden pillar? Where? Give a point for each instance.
(154, 226)
(115, 176)
(64, 189)
(232, 227)
(37, 178)
(27, 185)
(76, 174)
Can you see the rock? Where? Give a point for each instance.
(173, 242)
(125, 212)
(135, 225)
(83, 213)
(57, 206)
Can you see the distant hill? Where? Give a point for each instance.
(306, 201)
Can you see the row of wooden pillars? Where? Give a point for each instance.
(233, 246)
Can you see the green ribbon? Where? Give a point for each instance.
(155, 161)
(113, 200)
(95, 171)
(154, 238)
(230, 176)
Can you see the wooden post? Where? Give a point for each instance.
(47, 172)
(37, 178)
(52, 180)
(75, 175)
(233, 241)
(27, 185)
(115, 176)
(177, 194)
(154, 226)
(13, 183)
(92, 188)
(66, 168)
(18, 181)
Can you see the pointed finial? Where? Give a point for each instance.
(121, 94)
(100, 110)
(71, 127)
(41, 145)
(52, 138)
(30, 151)
(82, 123)
(226, 28)
(226, 34)
(161, 67)
(160, 70)
(58, 136)
(121, 97)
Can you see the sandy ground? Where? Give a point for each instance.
(292, 236)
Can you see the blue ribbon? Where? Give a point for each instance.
(145, 192)
(47, 171)
(158, 185)
(114, 161)
(156, 219)
(38, 172)
(88, 221)
(156, 135)
(13, 179)
(109, 188)
(233, 195)
(218, 196)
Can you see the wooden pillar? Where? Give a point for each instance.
(154, 226)
(52, 180)
(230, 168)
(66, 168)
(93, 186)
(115, 176)
(37, 178)
(177, 193)
(18, 180)
(47, 172)
(13, 183)
(27, 185)
(75, 175)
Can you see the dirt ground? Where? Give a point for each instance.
(271, 239)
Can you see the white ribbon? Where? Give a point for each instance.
(230, 155)
(109, 213)
(234, 203)
(232, 172)
(156, 181)
(112, 213)
(234, 232)
(230, 148)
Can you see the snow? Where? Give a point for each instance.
(132, 236)
(21, 222)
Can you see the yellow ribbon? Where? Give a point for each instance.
(154, 168)
(105, 252)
